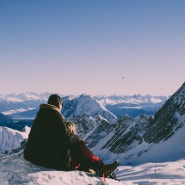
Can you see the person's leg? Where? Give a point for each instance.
(78, 159)
(107, 169)
(86, 160)
(97, 164)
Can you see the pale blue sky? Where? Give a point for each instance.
(87, 46)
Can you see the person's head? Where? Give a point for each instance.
(55, 100)
(71, 127)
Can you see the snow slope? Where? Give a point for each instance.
(11, 139)
(14, 170)
(165, 173)
(171, 149)
(167, 150)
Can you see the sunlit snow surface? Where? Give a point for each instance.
(14, 170)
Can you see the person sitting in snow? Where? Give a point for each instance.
(84, 159)
(50, 145)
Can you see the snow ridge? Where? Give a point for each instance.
(11, 139)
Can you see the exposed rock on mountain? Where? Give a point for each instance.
(131, 138)
(168, 119)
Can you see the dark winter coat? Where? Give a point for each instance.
(47, 143)
(81, 157)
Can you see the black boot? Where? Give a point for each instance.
(107, 169)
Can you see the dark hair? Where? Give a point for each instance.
(55, 100)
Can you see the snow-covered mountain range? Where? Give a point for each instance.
(22, 108)
(126, 138)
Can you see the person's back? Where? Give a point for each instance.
(47, 142)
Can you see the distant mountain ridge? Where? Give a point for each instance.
(25, 105)
(4, 118)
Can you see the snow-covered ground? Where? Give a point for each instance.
(14, 170)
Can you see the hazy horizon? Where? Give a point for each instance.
(78, 94)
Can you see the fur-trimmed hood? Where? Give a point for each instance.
(49, 106)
